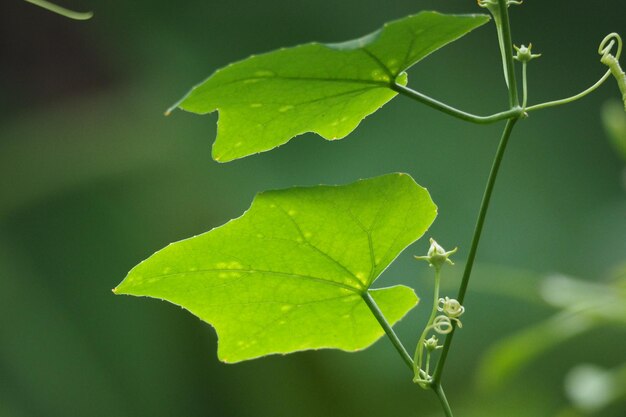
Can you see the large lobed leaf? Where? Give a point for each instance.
(266, 100)
(289, 274)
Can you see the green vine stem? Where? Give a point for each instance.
(476, 239)
(513, 99)
(499, 8)
(507, 56)
(512, 116)
(443, 400)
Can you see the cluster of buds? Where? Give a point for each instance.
(451, 308)
(443, 323)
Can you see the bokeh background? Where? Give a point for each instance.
(93, 179)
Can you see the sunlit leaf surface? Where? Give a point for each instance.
(266, 100)
(288, 275)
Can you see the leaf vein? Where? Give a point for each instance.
(318, 250)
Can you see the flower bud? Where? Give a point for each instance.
(524, 53)
(437, 255)
(432, 344)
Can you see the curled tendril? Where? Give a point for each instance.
(608, 59)
(443, 324)
(607, 44)
(450, 307)
(612, 61)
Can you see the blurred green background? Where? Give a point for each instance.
(93, 179)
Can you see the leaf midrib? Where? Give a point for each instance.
(308, 79)
(261, 271)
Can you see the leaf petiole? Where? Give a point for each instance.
(454, 112)
(371, 304)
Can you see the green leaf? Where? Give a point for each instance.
(289, 274)
(266, 100)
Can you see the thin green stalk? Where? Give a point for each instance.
(524, 84)
(443, 400)
(388, 329)
(419, 349)
(572, 98)
(476, 239)
(507, 44)
(70, 14)
(459, 114)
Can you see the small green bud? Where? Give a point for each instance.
(432, 344)
(524, 53)
(437, 256)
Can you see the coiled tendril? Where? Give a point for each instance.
(450, 307)
(612, 61)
